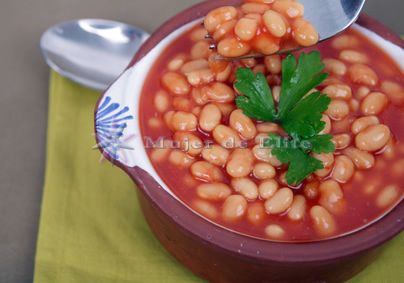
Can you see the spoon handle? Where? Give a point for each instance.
(254, 55)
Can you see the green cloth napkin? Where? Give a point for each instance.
(91, 227)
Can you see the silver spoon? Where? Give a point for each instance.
(91, 52)
(94, 52)
(329, 17)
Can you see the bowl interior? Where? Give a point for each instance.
(127, 90)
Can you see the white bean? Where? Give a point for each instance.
(343, 169)
(242, 124)
(332, 197)
(206, 172)
(280, 202)
(387, 196)
(361, 159)
(240, 163)
(234, 208)
(274, 231)
(210, 117)
(362, 123)
(256, 213)
(245, 187)
(205, 208)
(374, 103)
(324, 222)
(373, 138)
(268, 188)
(226, 137)
(264, 171)
(298, 208)
(216, 155)
(213, 192)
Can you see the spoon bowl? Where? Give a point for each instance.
(329, 17)
(91, 52)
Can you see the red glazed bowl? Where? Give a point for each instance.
(210, 251)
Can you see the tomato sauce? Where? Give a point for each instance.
(360, 193)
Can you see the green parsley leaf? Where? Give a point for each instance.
(298, 79)
(301, 164)
(322, 144)
(298, 113)
(257, 101)
(305, 118)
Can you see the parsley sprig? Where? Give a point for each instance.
(298, 112)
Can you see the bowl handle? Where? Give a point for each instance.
(116, 123)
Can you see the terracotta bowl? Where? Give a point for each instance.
(210, 251)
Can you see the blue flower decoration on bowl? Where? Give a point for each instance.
(111, 122)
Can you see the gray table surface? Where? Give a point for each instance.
(23, 104)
